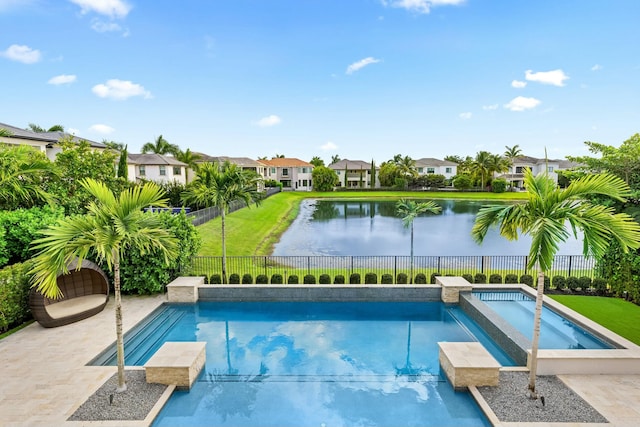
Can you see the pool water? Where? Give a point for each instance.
(314, 364)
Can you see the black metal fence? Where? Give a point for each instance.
(207, 214)
(565, 265)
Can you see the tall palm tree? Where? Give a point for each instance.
(544, 217)
(190, 159)
(482, 166)
(22, 170)
(335, 159)
(110, 227)
(406, 166)
(220, 185)
(409, 210)
(160, 146)
(316, 161)
(498, 164)
(512, 153)
(39, 129)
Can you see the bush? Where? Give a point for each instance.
(324, 279)
(584, 282)
(247, 279)
(14, 295)
(293, 280)
(215, 279)
(262, 279)
(370, 278)
(495, 278)
(421, 279)
(432, 278)
(480, 278)
(547, 283)
(558, 282)
(468, 277)
(402, 279)
(234, 279)
(499, 185)
(510, 278)
(309, 279)
(386, 279)
(339, 279)
(526, 279)
(276, 279)
(354, 278)
(572, 283)
(600, 285)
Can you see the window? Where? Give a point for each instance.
(304, 182)
(550, 169)
(177, 170)
(431, 170)
(272, 170)
(303, 170)
(285, 172)
(420, 170)
(447, 170)
(163, 170)
(142, 171)
(521, 169)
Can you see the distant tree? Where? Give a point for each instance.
(408, 210)
(278, 156)
(388, 174)
(406, 166)
(453, 158)
(113, 145)
(335, 159)
(123, 171)
(316, 161)
(22, 173)
(482, 165)
(512, 153)
(462, 182)
(373, 174)
(497, 164)
(160, 146)
(5, 132)
(324, 178)
(37, 129)
(191, 159)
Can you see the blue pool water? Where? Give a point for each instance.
(314, 364)
(556, 332)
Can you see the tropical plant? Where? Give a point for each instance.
(160, 146)
(512, 153)
(5, 132)
(220, 185)
(324, 178)
(482, 166)
(409, 210)
(22, 170)
(335, 159)
(544, 217)
(111, 227)
(189, 158)
(316, 161)
(38, 129)
(373, 174)
(123, 171)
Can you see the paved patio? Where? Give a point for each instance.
(43, 377)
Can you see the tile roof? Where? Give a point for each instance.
(153, 159)
(350, 164)
(429, 161)
(49, 137)
(286, 162)
(240, 161)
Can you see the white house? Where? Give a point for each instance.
(294, 174)
(156, 167)
(354, 174)
(552, 166)
(428, 166)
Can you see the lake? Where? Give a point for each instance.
(370, 228)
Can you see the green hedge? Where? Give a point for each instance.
(324, 279)
(339, 279)
(421, 279)
(14, 295)
(370, 278)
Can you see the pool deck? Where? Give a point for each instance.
(43, 377)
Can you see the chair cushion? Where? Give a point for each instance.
(73, 306)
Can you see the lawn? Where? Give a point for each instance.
(618, 315)
(256, 230)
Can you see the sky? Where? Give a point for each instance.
(361, 79)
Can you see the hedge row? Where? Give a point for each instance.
(14, 295)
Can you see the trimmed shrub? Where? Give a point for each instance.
(468, 277)
(600, 285)
(216, 279)
(499, 185)
(293, 280)
(324, 279)
(547, 283)
(432, 278)
(573, 283)
(339, 279)
(14, 295)
(559, 282)
(526, 279)
(495, 278)
(247, 279)
(234, 279)
(510, 278)
(262, 279)
(584, 282)
(480, 278)
(354, 279)
(370, 278)
(402, 279)
(309, 279)
(421, 279)
(386, 279)
(276, 279)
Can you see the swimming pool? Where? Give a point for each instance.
(327, 363)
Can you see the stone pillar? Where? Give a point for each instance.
(184, 289)
(451, 288)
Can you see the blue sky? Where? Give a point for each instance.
(359, 78)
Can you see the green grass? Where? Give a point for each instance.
(256, 230)
(618, 315)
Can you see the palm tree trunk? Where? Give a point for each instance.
(224, 249)
(411, 271)
(533, 365)
(122, 385)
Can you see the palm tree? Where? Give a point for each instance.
(160, 146)
(409, 210)
(38, 129)
(511, 154)
(5, 132)
(110, 227)
(190, 159)
(220, 185)
(497, 164)
(278, 156)
(21, 172)
(335, 159)
(482, 166)
(316, 161)
(544, 217)
(406, 166)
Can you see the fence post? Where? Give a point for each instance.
(395, 268)
(265, 265)
(308, 264)
(569, 273)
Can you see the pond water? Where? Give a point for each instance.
(370, 228)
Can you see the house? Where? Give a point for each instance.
(427, 166)
(156, 167)
(244, 162)
(47, 142)
(292, 173)
(354, 174)
(515, 176)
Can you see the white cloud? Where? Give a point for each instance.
(329, 146)
(554, 77)
(62, 79)
(465, 116)
(110, 8)
(361, 64)
(490, 107)
(521, 103)
(268, 121)
(596, 67)
(420, 6)
(22, 53)
(100, 128)
(518, 84)
(105, 27)
(120, 89)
